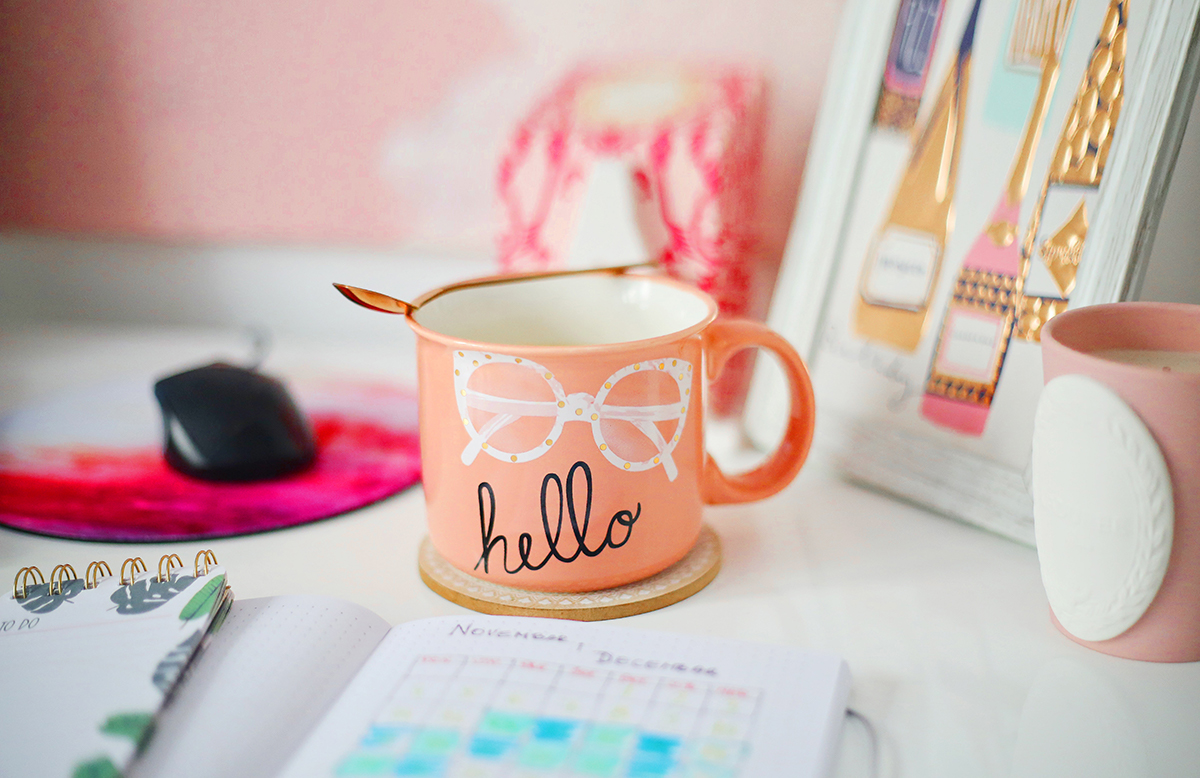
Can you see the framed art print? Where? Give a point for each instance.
(978, 166)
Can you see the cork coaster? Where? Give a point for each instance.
(679, 581)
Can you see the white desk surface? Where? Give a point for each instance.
(944, 626)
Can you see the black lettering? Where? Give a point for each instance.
(564, 497)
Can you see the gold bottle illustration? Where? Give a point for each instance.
(903, 263)
(1077, 164)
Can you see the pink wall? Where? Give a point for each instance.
(355, 121)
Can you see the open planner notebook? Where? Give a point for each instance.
(86, 663)
(310, 686)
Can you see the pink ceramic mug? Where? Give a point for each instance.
(562, 425)
(1116, 472)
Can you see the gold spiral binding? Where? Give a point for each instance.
(96, 571)
(32, 576)
(135, 565)
(171, 561)
(208, 557)
(59, 576)
(22, 579)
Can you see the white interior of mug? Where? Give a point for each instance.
(590, 309)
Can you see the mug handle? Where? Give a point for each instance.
(722, 339)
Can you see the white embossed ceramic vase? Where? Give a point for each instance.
(1116, 478)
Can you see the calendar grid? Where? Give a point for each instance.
(484, 717)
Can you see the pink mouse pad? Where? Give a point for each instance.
(89, 466)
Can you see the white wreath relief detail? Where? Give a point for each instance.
(1069, 409)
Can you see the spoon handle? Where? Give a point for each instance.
(378, 301)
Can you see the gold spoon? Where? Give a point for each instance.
(378, 301)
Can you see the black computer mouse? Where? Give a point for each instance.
(227, 423)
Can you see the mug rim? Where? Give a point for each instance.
(593, 348)
(1137, 314)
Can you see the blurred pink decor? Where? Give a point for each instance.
(690, 143)
(355, 122)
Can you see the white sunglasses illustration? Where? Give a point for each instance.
(579, 406)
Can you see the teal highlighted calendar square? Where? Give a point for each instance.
(646, 765)
(543, 755)
(366, 764)
(382, 735)
(658, 744)
(612, 735)
(432, 742)
(420, 766)
(484, 747)
(500, 723)
(598, 764)
(553, 729)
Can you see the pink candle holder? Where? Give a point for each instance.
(1116, 468)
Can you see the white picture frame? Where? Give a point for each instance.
(891, 452)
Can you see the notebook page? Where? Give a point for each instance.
(499, 696)
(260, 686)
(83, 672)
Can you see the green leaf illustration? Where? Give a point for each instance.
(203, 601)
(169, 669)
(148, 594)
(100, 767)
(38, 599)
(222, 611)
(131, 725)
